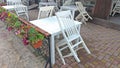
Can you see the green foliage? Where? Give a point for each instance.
(32, 31)
(13, 21)
(17, 24)
(20, 29)
(2, 9)
(34, 36)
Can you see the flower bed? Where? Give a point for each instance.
(26, 32)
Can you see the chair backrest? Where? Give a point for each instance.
(117, 7)
(20, 8)
(45, 11)
(67, 2)
(12, 2)
(80, 7)
(67, 25)
(117, 3)
(51, 0)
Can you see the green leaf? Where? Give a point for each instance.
(17, 24)
(32, 31)
(40, 36)
(32, 39)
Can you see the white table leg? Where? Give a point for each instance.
(73, 13)
(52, 49)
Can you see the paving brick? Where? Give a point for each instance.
(66, 66)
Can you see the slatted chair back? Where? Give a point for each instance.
(116, 9)
(67, 24)
(45, 11)
(82, 12)
(21, 10)
(80, 7)
(12, 2)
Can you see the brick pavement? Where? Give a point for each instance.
(104, 44)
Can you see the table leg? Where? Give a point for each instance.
(52, 49)
(73, 13)
(49, 59)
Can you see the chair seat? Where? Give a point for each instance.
(71, 38)
(21, 12)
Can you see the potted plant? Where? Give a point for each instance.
(12, 21)
(3, 14)
(35, 38)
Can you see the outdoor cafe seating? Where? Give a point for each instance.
(61, 23)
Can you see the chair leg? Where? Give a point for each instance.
(89, 16)
(27, 16)
(84, 45)
(113, 13)
(61, 56)
(77, 17)
(83, 21)
(84, 18)
(86, 48)
(75, 55)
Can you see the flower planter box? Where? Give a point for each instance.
(21, 28)
(2, 4)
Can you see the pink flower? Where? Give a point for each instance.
(9, 28)
(25, 41)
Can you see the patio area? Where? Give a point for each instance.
(115, 19)
(104, 44)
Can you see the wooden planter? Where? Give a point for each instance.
(38, 44)
(2, 4)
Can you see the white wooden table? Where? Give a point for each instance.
(51, 26)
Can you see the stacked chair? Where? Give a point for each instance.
(82, 13)
(116, 9)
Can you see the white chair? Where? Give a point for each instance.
(116, 9)
(67, 2)
(45, 11)
(49, 3)
(21, 10)
(83, 13)
(72, 38)
(12, 2)
(112, 6)
(68, 5)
